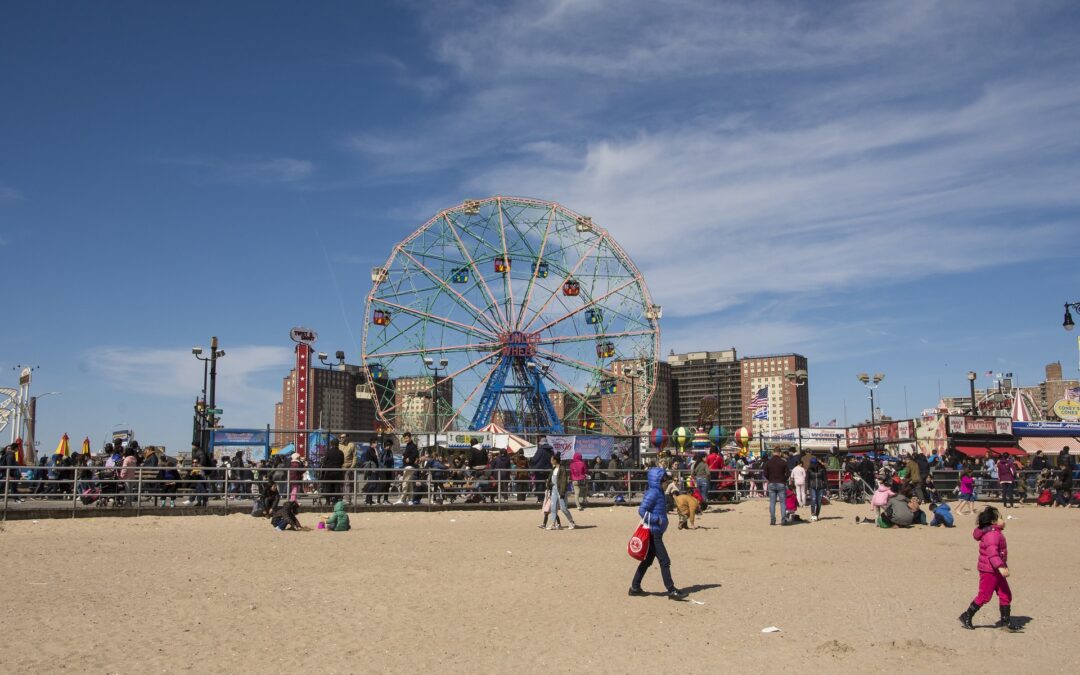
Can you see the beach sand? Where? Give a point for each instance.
(486, 591)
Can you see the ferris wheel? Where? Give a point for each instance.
(525, 313)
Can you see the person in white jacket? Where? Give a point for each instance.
(798, 477)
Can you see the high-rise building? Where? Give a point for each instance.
(782, 404)
(695, 375)
(1053, 388)
(413, 404)
(333, 405)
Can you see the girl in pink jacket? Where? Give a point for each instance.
(993, 569)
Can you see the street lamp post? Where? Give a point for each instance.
(971, 382)
(866, 380)
(798, 378)
(211, 361)
(633, 374)
(430, 363)
(1068, 324)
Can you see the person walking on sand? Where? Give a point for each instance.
(579, 475)
(993, 570)
(817, 482)
(798, 477)
(556, 484)
(776, 477)
(967, 493)
(654, 509)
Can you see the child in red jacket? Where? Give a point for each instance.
(993, 569)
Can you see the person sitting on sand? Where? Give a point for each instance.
(338, 521)
(942, 515)
(284, 517)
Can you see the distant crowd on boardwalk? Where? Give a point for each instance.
(371, 473)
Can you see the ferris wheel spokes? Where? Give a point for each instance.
(555, 291)
(571, 392)
(476, 269)
(532, 277)
(587, 305)
(450, 323)
(449, 376)
(463, 302)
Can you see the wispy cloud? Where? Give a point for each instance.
(9, 194)
(887, 139)
(245, 377)
(249, 171)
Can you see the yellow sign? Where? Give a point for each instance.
(1067, 410)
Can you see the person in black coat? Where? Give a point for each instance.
(330, 479)
(541, 467)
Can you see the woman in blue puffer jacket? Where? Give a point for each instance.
(654, 509)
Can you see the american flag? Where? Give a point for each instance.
(759, 405)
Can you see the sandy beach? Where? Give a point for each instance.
(484, 591)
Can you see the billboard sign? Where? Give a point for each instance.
(1063, 429)
(1067, 410)
(885, 432)
(304, 336)
(990, 426)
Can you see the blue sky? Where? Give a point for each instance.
(881, 186)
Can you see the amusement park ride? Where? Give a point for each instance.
(534, 308)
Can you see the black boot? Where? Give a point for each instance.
(966, 617)
(1006, 621)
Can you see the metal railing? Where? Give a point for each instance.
(85, 490)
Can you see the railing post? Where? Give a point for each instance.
(138, 493)
(226, 488)
(430, 500)
(499, 495)
(74, 489)
(288, 484)
(7, 475)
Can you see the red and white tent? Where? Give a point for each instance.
(1019, 409)
(501, 438)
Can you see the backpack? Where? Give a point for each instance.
(1045, 497)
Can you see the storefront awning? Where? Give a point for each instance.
(1050, 445)
(980, 451)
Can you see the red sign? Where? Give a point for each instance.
(995, 426)
(303, 395)
(885, 432)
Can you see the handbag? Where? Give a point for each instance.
(638, 547)
(547, 503)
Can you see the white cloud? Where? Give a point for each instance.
(245, 382)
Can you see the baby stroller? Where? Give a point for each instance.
(854, 489)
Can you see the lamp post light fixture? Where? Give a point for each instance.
(430, 363)
(798, 378)
(632, 373)
(872, 383)
(1068, 324)
(971, 382)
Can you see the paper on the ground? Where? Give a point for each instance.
(770, 629)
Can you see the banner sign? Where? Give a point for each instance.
(814, 438)
(590, 447)
(240, 437)
(885, 432)
(1063, 429)
(992, 426)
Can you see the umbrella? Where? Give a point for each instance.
(63, 449)
(86, 446)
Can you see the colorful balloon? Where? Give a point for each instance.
(682, 437)
(659, 438)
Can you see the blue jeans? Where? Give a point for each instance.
(558, 503)
(703, 488)
(656, 551)
(777, 493)
(815, 501)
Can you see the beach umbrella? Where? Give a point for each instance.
(64, 448)
(659, 438)
(681, 437)
(86, 446)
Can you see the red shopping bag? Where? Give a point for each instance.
(638, 547)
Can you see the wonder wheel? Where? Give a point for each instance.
(511, 311)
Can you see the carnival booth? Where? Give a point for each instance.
(893, 438)
(981, 437)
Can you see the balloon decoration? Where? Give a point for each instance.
(717, 435)
(682, 437)
(742, 437)
(659, 438)
(701, 440)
